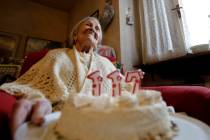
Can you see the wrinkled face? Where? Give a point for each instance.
(89, 34)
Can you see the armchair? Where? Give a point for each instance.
(193, 100)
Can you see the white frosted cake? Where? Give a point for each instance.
(142, 116)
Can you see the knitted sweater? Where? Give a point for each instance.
(60, 73)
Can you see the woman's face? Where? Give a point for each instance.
(89, 35)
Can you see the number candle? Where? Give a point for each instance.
(97, 81)
(134, 76)
(116, 78)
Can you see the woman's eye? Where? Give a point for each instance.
(87, 24)
(97, 28)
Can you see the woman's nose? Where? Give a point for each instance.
(92, 26)
(92, 29)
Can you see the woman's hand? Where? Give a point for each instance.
(40, 109)
(28, 110)
(142, 74)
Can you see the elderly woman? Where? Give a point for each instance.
(60, 73)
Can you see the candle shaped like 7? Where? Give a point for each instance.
(116, 78)
(97, 81)
(134, 76)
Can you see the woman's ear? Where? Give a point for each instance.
(74, 39)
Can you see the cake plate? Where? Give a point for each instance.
(189, 128)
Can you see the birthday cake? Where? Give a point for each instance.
(140, 116)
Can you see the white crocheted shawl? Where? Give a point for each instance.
(60, 73)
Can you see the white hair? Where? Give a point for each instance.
(75, 29)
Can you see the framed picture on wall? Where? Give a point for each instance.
(8, 44)
(95, 14)
(35, 44)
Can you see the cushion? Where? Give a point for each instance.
(31, 59)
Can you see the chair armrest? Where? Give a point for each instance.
(6, 108)
(193, 100)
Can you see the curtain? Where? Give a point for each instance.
(162, 31)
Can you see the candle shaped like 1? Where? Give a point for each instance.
(97, 81)
(134, 76)
(116, 78)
